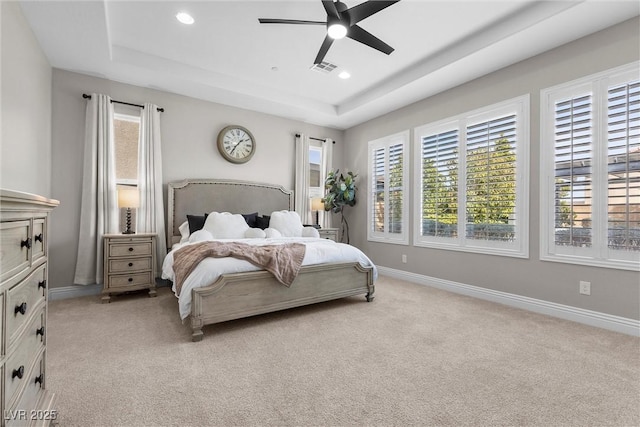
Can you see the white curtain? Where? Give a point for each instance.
(150, 215)
(301, 194)
(326, 167)
(99, 209)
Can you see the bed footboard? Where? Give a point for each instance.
(238, 295)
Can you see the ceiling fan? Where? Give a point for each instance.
(341, 21)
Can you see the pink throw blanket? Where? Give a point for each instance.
(283, 261)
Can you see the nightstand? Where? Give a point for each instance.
(329, 233)
(129, 264)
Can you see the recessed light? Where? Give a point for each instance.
(185, 18)
(344, 75)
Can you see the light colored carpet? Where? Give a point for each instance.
(413, 356)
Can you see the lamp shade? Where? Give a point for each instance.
(316, 204)
(128, 198)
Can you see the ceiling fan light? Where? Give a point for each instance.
(337, 31)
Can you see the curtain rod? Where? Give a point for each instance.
(85, 96)
(317, 139)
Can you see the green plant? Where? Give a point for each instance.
(340, 192)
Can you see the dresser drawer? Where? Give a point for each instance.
(25, 296)
(128, 250)
(39, 239)
(31, 396)
(129, 280)
(124, 265)
(19, 364)
(15, 239)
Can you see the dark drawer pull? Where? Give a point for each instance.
(42, 284)
(40, 331)
(39, 238)
(18, 372)
(130, 279)
(22, 308)
(40, 379)
(130, 264)
(26, 243)
(130, 249)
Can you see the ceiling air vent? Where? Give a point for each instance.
(324, 67)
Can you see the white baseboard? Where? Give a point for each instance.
(580, 315)
(73, 291)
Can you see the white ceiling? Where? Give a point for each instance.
(229, 58)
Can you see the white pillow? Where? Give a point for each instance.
(255, 233)
(288, 223)
(225, 225)
(310, 232)
(200, 236)
(184, 232)
(271, 232)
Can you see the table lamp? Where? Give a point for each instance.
(128, 198)
(316, 206)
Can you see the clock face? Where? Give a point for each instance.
(236, 144)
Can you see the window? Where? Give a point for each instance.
(126, 130)
(590, 178)
(471, 181)
(387, 204)
(316, 175)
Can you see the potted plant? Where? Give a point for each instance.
(340, 192)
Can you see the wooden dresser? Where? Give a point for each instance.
(24, 398)
(129, 263)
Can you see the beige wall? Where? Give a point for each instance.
(614, 292)
(25, 144)
(189, 131)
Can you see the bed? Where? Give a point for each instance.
(219, 297)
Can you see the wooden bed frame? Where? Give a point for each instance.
(239, 295)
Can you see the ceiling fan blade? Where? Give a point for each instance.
(326, 44)
(289, 21)
(358, 34)
(330, 8)
(366, 9)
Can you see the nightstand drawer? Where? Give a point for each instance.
(128, 250)
(126, 265)
(129, 280)
(15, 239)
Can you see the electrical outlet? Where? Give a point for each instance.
(585, 288)
(404, 259)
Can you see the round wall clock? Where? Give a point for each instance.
(236, 144)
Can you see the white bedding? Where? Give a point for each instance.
(318, 251)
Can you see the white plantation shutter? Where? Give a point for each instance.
(573, 152)
(472, 178)
(378, 185)
(623, 166)
(491, 179)
(590, 159)
(387, 218)
(439, 177)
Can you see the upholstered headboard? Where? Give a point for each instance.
(200, 196)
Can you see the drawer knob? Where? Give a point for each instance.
(22, 308)
(26, 243)
(130, 279)
(130, 264)
(40, 379)
(38, 238)
(130, 249)
(18, 372)
(42, 284)
(40, 331)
